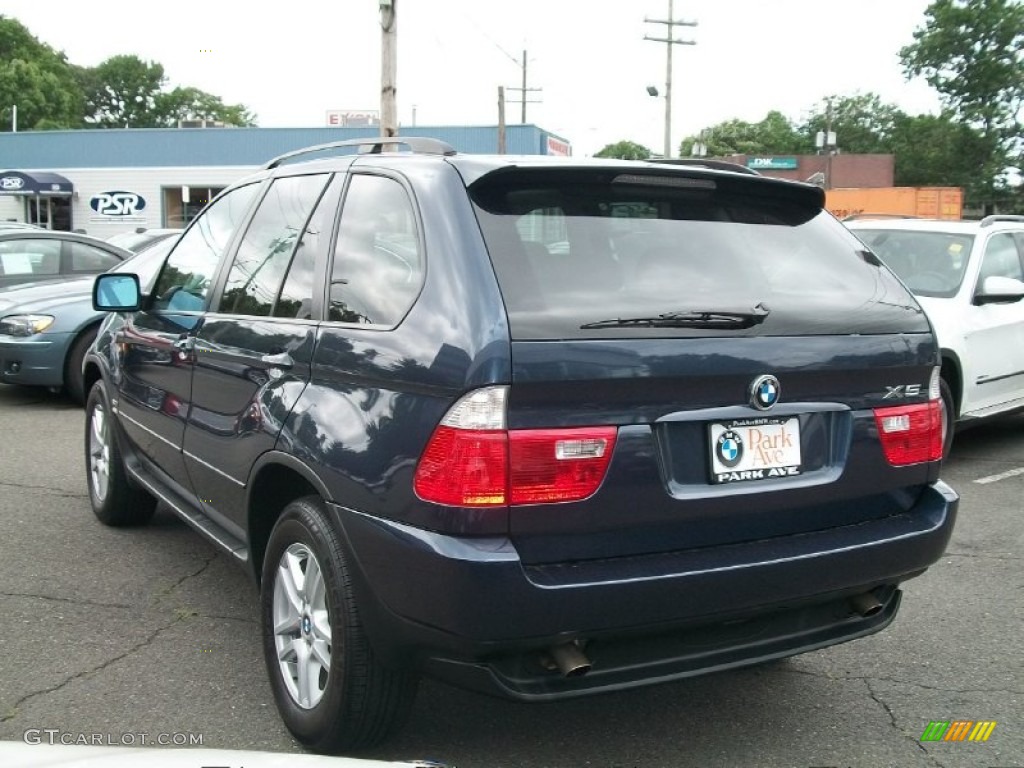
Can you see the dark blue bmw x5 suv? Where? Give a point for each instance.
(538, 428)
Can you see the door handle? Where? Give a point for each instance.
(279, 360)
(184, 343)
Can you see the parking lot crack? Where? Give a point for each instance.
(895, 725)
(170, 588)
(72, 600)
(982, 556)
(12, 711)
(241, 619)
(46, 488)
(897, 681)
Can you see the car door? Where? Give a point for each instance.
(254, 349)
(995, 333)
(157, 342)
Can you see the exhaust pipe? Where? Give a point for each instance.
(866, 604)
(570, 660)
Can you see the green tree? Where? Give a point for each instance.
(972, 53)
(122, 92)
(935, 150)
(862, 122)
(625, 150)
(37, 79)
(774, 135)
(194, 104)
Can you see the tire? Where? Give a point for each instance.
(354, 701)
(115, 501)
(948, 417)
(74, 379)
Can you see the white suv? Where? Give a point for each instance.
(969, 277)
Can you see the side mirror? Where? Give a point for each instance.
(116, 292)
(999, 289)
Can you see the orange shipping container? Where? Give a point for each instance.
(924, 202)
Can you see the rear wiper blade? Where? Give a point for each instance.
(694, 318)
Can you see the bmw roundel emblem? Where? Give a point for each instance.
(729, 448)
(765, 392)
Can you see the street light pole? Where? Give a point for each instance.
(670, 24)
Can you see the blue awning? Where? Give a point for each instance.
(35, 183)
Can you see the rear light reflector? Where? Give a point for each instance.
(552, 465)
(464, 467)
(473, 460)
(910, 434)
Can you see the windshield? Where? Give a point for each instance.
(930, 263)
(589, 254)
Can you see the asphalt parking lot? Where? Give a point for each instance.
(152, 632)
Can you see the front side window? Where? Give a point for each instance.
(259, 269)
(1001, 258)
(378, 262)
(185, 280)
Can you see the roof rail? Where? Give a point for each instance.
(417, 144)
(717, 165)
(858, 216)
(988, 221)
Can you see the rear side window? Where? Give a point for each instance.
(378, 261)
(85, 258)
(266, 251)
(185, 279)
(606, 254)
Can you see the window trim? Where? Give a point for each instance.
(219, 273)
(332, 249)
(224, 269)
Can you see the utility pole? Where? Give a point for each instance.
(501, 120)
(389, 68)
(524, 90)
(826, 143)
(670, 25)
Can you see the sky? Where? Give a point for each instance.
(291, 62)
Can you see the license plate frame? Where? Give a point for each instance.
(761, 448)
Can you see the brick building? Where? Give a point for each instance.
(835, 171)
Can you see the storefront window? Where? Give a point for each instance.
(178, 213)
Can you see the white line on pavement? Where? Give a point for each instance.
(1000, 476)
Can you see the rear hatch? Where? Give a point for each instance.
(744, 346)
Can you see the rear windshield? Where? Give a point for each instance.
(930, 263)
(607, 254)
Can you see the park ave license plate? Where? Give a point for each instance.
(754, 449)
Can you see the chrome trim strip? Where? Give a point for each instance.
(990, 379)
(223, 474)
(148, 431)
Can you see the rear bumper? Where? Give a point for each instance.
(472, 612)
(35, 360)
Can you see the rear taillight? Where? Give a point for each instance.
(910, 434)
(473, 460)
(550, 465)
